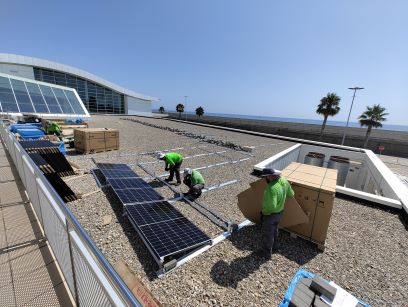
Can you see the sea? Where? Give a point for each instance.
(302, 120)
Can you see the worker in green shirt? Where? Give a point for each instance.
(273, 204)
(195, 181)
(54, 128)
(172, 162)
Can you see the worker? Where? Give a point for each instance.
(273, 204)
(173, 162)
(54, 128)
(195, 181)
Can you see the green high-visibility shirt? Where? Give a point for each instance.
(54, 127)
(196, 178)
(275, 195)
(172, 158)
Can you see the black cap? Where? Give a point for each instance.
(270, 172)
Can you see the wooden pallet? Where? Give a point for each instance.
(294, 235)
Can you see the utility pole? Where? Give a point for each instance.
(185, 106)
(355, 89)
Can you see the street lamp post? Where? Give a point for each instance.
(356, 88)
(185, 106)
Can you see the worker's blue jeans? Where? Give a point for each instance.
(269, 231)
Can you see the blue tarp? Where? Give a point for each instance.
(32, 134)
(77, 121)
(301, 273)
(61, 147)
(13, 128)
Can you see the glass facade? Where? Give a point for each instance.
(97, 98)
(17, 96)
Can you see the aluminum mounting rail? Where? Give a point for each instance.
(164, 271)
(213, 216)
(187, 157)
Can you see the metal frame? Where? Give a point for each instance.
(161, 273)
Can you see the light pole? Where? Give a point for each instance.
(185, 105)
(356, 88)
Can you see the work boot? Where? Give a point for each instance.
(168, 179)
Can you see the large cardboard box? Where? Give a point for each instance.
(314, 188)
(250, 204)
(89, 140)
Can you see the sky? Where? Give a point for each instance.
(269, 58)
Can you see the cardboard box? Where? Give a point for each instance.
(314, 188)
(250, 204)
(96, 139)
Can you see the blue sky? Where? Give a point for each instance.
(271, 58)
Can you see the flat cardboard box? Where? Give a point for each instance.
(250, 204)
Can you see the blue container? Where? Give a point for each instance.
(13, 128)
(30, 134)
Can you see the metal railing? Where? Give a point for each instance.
(90, 278)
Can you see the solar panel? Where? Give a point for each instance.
(37, 144)
(128, 183)
(144, 214)
(130, 196)
(112, 174)
(21, 95)
(164, 229)
(113, 166)
(172, 237)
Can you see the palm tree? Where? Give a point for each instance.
(328, 106)
(180, 109)
(161, 109)
(372, 117)
(200, 111)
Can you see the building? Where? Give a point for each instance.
(97, 94)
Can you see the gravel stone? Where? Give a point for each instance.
(366, 248)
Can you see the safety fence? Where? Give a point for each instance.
(90, 278)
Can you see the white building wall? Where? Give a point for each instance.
(135, 106)
(17, 70)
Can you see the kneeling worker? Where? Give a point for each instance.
(195, 181)
(173, 162)
(275, 194)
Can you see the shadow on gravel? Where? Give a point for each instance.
(146, 260)
(156, 184)
(229, 275)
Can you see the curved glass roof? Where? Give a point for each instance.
(26, 96)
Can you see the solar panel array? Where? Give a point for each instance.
(163, 227)
(20, 95)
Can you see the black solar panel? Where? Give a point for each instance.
(172, 237)
(113, 166)
(128, 183)
(112, 174)
(144, 214)
(163, 227)
(130, 196)
(37, 144)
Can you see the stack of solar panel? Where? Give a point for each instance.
(162, 227)
(53, 164)
(50, 153)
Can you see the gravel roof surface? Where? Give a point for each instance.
(366, 249)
